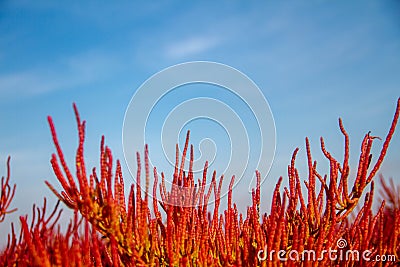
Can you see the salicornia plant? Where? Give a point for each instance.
(110, 228)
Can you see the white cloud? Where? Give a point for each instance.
(59, 75)
(191, 46)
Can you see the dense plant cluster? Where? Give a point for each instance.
(110, 228)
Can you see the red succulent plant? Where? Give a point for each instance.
(110, 228)
(6, 194)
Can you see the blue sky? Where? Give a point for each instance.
(314, 61)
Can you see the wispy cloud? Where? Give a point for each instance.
(191, 46)
(59, 75)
